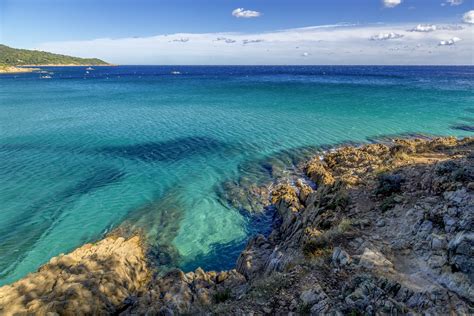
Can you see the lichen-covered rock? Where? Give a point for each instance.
(319, 172)
(304, 191)
(93, 279)
(286, 196)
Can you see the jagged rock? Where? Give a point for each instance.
(319, 172)
(285, 196)
(438, 242)
(252, 260)
(340, 257)
(461, 253)
(309, 297)
(372, 258)
(304, 191)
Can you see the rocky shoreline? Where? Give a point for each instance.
(389, 230)
(31, 68)
(14, 69)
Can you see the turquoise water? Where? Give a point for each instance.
(83, 153)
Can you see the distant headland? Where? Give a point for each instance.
(13, 60)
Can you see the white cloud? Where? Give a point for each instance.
(325, 44)
(450, 27)
(450, 42)
(424, 28)
(391, 3)
(386, 36)
(181, 40)
(225, 39)
(242, 13)
(247, 41)
(468, 17)
(454, 2)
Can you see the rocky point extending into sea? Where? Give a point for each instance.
(389, 230)
(5, 69)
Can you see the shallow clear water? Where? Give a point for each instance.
(82, 153)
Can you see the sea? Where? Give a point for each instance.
(171, 152)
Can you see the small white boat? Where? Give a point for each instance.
(46, 77)
(87, 72)
(175, 73)
(89, 68)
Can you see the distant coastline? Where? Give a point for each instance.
(13, 60)
(6, 69)
(67, 65)
(15, 69)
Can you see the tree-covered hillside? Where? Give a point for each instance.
(18, 57)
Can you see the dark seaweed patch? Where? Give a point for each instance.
(159, 221)
(29, 146)
(99, 179)
(463, 127)
(171, 150)
(388, 138)
(467, 119)
(221, 257)
(47, 208)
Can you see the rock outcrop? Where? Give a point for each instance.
(388, 230)
(95, 279)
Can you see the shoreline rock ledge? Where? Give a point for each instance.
(95, 279)
(388, 230)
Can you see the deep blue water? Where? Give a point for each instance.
(142, 148)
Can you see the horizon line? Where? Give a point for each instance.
(258, 65)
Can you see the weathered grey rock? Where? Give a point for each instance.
(461, 253)
(439, 242)
(252, 259)
(340, 257)
(372, 258)
(309, 297)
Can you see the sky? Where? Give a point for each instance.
(245, 31)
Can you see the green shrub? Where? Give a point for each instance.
(322, 245)
(387, 203)
(304, 309)
(388, 184)
(222, 296)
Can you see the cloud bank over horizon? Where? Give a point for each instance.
(384, 44)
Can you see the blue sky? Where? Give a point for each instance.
(59, 25)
